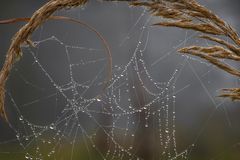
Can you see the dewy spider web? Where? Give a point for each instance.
(65, 118)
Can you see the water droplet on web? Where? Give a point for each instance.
(52, 126)
(21, 118)
(99, 100)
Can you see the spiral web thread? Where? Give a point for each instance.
(126, 106)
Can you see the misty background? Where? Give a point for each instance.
(211, 123)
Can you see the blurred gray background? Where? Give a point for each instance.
(212, 123)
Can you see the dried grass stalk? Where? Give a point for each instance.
(187, 14)
(23, 35)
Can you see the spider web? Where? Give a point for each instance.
(69, 113)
